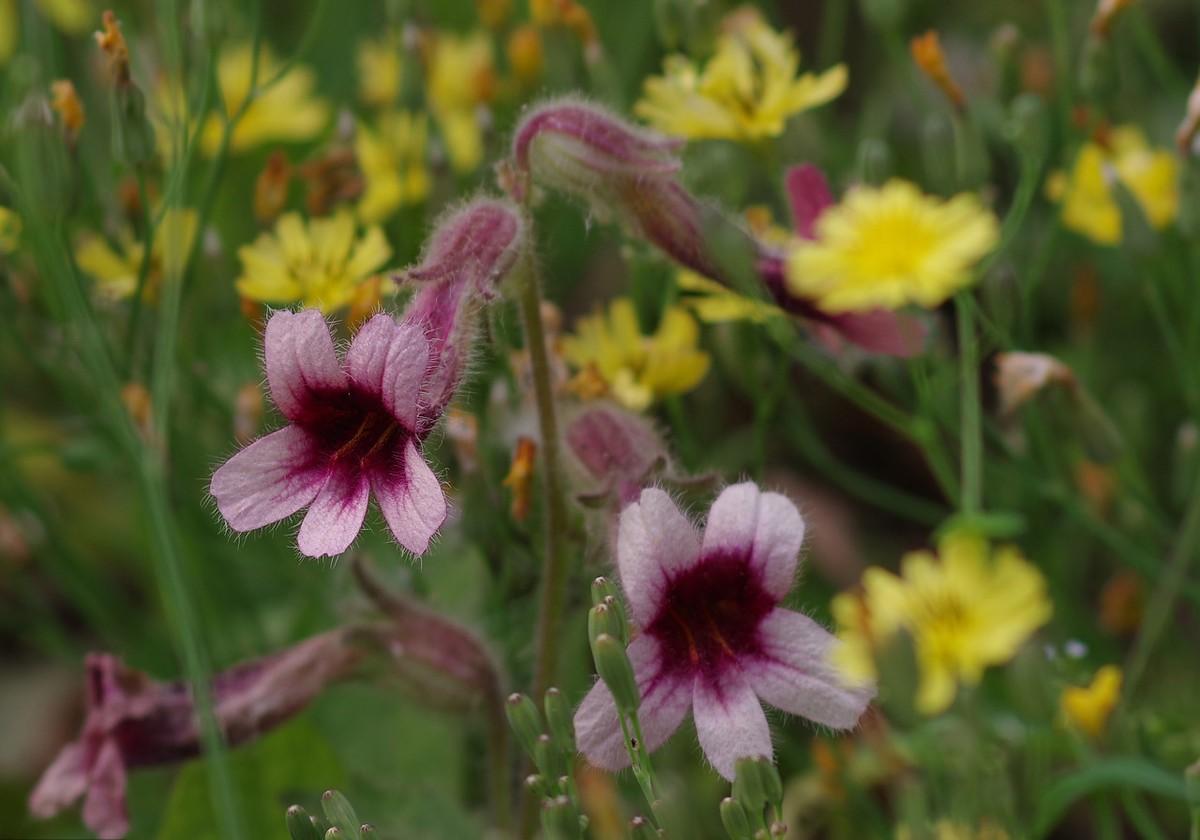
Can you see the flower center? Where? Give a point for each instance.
(710, 615)
(352, 427)
(894, 244)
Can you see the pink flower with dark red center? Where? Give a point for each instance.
(712, 637)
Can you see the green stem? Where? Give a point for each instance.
(971, 500)
(1060, 39)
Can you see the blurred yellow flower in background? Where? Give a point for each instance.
(965, 609)
(638, 369)
(393, 164)
(380, 71)
(890, 246)
(746, 91)
(116, 270)
(717, 304)
(1089, 205)
(318, 264)
(954, 830)
(461, 77)
(1087, 708)
(72, 17)
(286, 111)
(10, 230)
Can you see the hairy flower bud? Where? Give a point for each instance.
(524, 719)
(612, 663)
(618, 452)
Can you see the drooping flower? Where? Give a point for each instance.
(966, 609)
(639, 369)
(357, 424)
(617, 453)
(1087, 708)
(746, 91)
(115, 270)
(1021, 376)
(1086, 193)
(286, 111)
(890, 246)
(379, 71)
(10, 230)
(393, 163)
(317, 264)
(711, 637)
(461, 78)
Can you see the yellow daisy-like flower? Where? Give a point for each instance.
(318, 264)
(379, 72)
(1087, 708)
(966, 609)
(392, 160)
(115, 270)
(1089, 205)
(890, 246)
(638, 369)
(461, 77)
(746, 91)
(10, 230)
(287, 111)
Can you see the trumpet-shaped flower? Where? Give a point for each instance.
(885, 247)
(966, 609)
(638, 369)
(116, 270)
(746, 91)
(1087, 708)
(317, 264)
(461, 78)
(1087, 195)
(712, 638)
(284, 111)
(392, 160)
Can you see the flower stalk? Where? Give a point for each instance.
(971, 411)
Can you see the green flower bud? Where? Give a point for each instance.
(524, 719)
(874, 161)
(733, 816)
(132, 135)
(641, 829)
(547, 757)
(771, 783)
(748, 787)
(339, 812)
(602, 620)
(602, 588)
(615, 669)
(560, 820)
(300, 826)
(536, 784)
(558, 718)
(366, 831)
(618, 613)
(334, 833)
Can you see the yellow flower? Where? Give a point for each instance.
(1087, 708)
(1089, 205)
(717, 304)
(890, 246)
(10, 230)
(287, 111)
(461, 77)
(115, 270)
(968, 608)
(10, 28)
(379, 72)
(317, 264)
(392, 161)
(746, 91)
(638, 369)
(72, 17)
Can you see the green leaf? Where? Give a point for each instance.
(1108, 774)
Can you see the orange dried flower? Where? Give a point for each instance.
(927, 53)
(524, 51)
(112, 43)
(65, 101)
(1021, 376)
(331, 179)
(253, 312)
(520, 478)
(1122, 604)
(1097, 484)
(271, 187)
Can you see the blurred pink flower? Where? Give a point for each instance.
(712, 637)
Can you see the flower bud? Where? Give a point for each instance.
(300, 825)
(366, 831)
(560, 820)
(641, 829)
(524, 719)
(559, 720)
(614, 668)
(338, 810)
(132, 135)
(875, 162)
(602, 588)
(928, 55)
(546, 756)
(733, 816)
(778, 829)
(334, 833)
(748, 787)
(536, 784)
(616, 451)
(601, 621)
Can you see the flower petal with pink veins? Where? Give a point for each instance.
(391, 361)
(412, 500)
(104, 810)
(299, 358)
(729, 721)
(808, 194)
(654, 541)
(767, 525)
(665, 703)
(63, 782)
(269, 480)
(794, 673)
(336, 515)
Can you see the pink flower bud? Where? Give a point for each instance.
(618, 451)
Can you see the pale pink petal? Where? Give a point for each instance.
(390, 360)
(104, 810)
(665, 702)
(767, 526)
(879, 331)
(64, 781)
(729, 721)
(794, 673)
(269, 480)
(808, 194)
(412, 500)
(654, 541)
(300, 359)
(336, 515)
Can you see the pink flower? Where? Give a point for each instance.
(713, 639)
